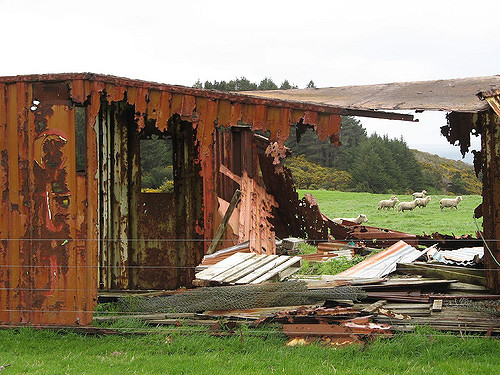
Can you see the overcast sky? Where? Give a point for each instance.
(334, 43)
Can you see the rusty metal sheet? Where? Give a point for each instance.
(347, 329)
(45, 276)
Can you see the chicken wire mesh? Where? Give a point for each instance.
(238, 297)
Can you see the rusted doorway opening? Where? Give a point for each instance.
(149, 239)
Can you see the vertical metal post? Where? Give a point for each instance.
(491, 200)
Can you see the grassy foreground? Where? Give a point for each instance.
(43, 352)
(429, 219)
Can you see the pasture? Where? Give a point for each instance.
(27, 351)
(429, 219)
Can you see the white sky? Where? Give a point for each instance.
(334, 43)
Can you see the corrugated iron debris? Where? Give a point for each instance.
(383, 263)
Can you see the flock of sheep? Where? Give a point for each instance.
(420, 199)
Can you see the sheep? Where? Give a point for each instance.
(403, 206)
(388, 203)
(448, 202)
(419, 195)
(358, 220)
(423, 202)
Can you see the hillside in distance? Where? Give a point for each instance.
(444, 173)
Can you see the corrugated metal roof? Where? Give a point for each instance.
(462, 257)
(236, 97)
(458, 95)
(383, 263)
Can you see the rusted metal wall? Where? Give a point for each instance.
(47, 256)
(54, 221)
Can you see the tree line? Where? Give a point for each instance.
(243, 84)
(374, 164)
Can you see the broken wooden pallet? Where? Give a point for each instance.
(249, 268)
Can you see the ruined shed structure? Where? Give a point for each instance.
(472, 106)
(73, 216)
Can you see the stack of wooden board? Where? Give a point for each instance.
(249, 268)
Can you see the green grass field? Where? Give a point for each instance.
(42, 352)
(429, 219)
(263, 351)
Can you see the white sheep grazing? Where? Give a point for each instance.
(423, 202)
(448, 202)
(419, 195)
(388, 203)
(403, 206)
(358, 220)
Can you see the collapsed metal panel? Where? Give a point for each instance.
(47, 271)
(237, 162)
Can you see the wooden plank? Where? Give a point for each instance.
(374, 306)
(189, 322)
(243, 273)
(255, 313)
(114, 318)
(409, 282)
(240, 246)
(408, 306)
(262, 270)
(440, 273)
(437, 305)
(407, 328)
(467, 270)
(248, 265)
(223, 265)
(285, 269)
(462, 321)
(222, 226)
(470, 288)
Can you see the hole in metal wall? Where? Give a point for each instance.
(157, 171)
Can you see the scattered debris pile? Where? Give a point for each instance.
(393, 290)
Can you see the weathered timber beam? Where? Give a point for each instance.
(428, 271)
(223, 225)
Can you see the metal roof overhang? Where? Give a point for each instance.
(453, 95)
(244, 98)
